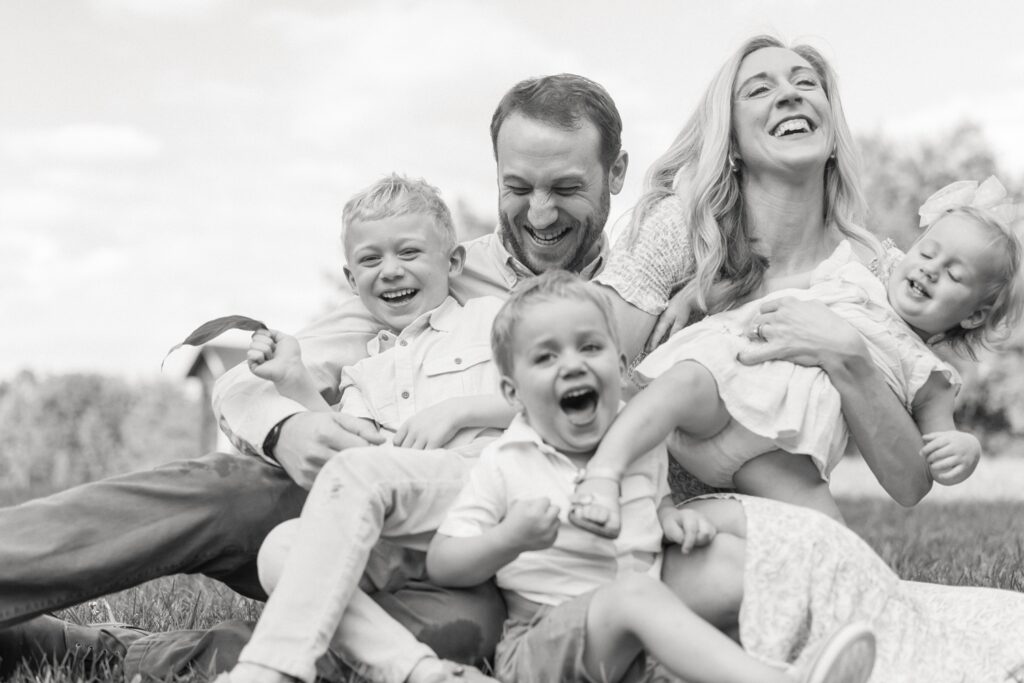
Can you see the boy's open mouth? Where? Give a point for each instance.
(579, 405)
(399, 296)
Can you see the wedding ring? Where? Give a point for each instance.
(758, 333)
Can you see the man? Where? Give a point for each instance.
(557, 144)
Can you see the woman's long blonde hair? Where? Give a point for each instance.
(697, 169)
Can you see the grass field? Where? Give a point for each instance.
(960, 543)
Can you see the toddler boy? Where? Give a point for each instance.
(583, 607)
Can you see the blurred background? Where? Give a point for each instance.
(163, 162)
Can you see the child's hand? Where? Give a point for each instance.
(432, 427)
(688, 528)
(274, 356)
(531, 524)
(951, 456)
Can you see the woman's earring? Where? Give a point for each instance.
(732, 165)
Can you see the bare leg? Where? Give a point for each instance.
(790, 478)
(637, 612)
(685, 398)
(709, 579)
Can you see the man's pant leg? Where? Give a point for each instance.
(206, 516)
(359, 496)
(463, 625)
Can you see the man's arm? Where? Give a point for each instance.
(248, 407)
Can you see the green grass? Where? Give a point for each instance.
(958, 544)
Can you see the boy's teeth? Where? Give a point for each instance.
(398, 294)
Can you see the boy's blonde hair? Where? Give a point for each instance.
(397, 195)
(549, 286)
(1004, 291)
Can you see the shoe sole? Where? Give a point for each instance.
(848, 657)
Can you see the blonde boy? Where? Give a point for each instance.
(430, 385)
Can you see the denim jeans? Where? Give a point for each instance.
(206, 516)
(314, 565)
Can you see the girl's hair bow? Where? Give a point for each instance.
(989, 196)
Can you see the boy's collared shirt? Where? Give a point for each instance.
(445, 353)
(520, 466)
(247, 407)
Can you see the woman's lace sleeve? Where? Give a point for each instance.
(646, 271)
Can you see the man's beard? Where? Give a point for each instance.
(589, 228)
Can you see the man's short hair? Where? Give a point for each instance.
(548, 286)
(397, 195)
(564, 101)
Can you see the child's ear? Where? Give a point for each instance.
(508, 390)
(351, 279)
(456, 260)
(976, 319)
(623, 367)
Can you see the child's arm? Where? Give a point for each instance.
(468, 561)
(951, 455)
(276, 356)
(435, 426)
(668, 402)
(685, 526)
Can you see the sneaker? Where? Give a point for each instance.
(848, 656)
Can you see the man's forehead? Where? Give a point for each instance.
(525, 144)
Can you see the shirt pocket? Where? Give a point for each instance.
(459, 372)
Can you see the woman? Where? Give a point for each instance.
(756, 191)
(758, 188)
(778, 576)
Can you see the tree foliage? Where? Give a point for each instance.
(63, 430)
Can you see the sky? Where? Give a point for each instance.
(163, 162)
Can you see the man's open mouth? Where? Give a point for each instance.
(797, 124)
(548, 237)
(399, 296)
(579, 405)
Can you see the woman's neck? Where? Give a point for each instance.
(788, 221)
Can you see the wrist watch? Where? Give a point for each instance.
(270, 443)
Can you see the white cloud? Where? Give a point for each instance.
(159, 9)
(81, 143)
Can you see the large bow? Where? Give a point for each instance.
(990, 196)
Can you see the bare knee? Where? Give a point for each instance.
(709, 580)
(273, 553)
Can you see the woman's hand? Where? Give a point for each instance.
(808, 333)
(801, 332)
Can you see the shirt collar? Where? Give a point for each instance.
(443, 319)
(515, 270)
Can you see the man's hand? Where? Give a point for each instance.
(952, 456)
(431, 427)
(310, 439)
(531, 524)
(686, 527)
(674, 318)
(275, 356)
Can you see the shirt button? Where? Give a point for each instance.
(405, 394)
(403, 343)
(458, 361)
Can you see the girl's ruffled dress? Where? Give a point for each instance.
(778, 404)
